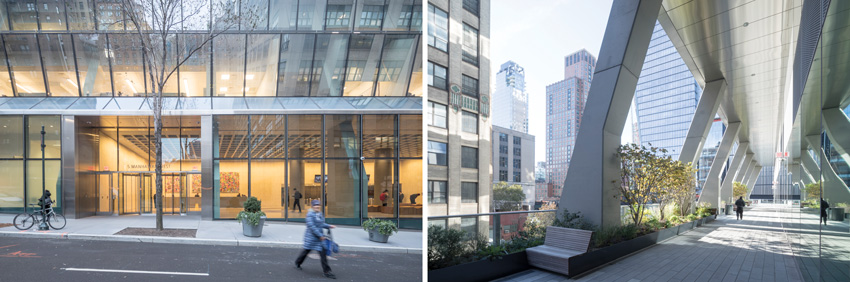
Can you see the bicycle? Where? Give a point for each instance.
(25, 221)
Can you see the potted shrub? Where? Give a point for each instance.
(252, 218)
(379, 229)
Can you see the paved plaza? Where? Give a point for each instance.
(753, 249)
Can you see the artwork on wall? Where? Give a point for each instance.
(196, 183)
(229, 182)
(171, 184)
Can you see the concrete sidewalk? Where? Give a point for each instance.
(218, 232)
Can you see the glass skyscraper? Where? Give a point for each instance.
(510, 99)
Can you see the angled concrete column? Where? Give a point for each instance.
(588, 187)
(754, 176)
(707, 106)
(735, 169)
(751, 165)
(711, 189)
(805, 175)
(837, 127)
(747, 165)
(834, 188)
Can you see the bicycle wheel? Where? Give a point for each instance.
(23, 221)
(56, 221)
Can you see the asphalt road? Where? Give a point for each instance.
(24, 259)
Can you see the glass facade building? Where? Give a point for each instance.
(510, 98)
(319, 96)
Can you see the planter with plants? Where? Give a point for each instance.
(252, 218)
(379, 229)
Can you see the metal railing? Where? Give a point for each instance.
(505, 224)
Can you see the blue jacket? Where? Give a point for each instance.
(315, 224)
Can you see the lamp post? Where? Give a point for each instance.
(43, 225)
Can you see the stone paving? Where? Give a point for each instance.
(753, 249)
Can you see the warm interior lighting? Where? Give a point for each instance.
(72, 82)
(25, 89)
(222, 89)
(131, 86)
(186, 83)
(225, 76)
(249, 76)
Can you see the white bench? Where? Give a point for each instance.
(560, 245)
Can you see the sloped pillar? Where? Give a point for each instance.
(707, 106)
(711, 189)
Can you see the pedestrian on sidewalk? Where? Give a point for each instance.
(739, 208)
(297, 197)
(313, 237)
(823, 206)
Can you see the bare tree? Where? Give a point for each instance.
(155, 23)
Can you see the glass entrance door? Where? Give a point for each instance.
(146, 201)
(106, 194)
(174, 193)
(130, 189)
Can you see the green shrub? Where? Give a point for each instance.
(691, 217)
(612, 235)
(573, 220)
(251, 212)
(385, 227)
(446, 247)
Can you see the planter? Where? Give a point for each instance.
(668, 233)
(684, 227)
(836, 214)
(590, 260)
(376, 236)
(482, 270)
(253, 230)
(699, 221)
(729, 209)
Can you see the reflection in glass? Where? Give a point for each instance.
(109, 15)
(295, 64)
(343, 190)
(267, 184)
(194, 72)
(11, 137)
(415, 88)
(170, 87)
(229, 64)
(128, 71)
(51, 138)
(398, 15)
(370, 15)
(51, 14)
(5, 79)
(94, 65)
(198, 15)
(363, 55)
(338, 14)
(328, 64)
(52, 181)
(232, 139)
(268, 133)
(260, 76)
(26, 65)
(58, 63)
(380, 175)
(283, 14)
(305, 177)
(379, 136)
(80, 15)
(311, 15)
(22, 14)
(254, 15)
(12, 186)
(342, 138)
(225, 14)
(304, 136)
(396, 62)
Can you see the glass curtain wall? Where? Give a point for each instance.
(21, 161)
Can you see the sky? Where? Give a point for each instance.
(537, 35)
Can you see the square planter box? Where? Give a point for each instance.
(482, 270)
(684, 227)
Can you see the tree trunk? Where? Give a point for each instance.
(157, 119)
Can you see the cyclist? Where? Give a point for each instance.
(45, 203)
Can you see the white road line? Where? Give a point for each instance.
(135, 271)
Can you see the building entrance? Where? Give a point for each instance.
(138, 193)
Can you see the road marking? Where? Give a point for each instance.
(135, 271)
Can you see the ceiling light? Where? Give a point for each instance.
(72, 82)
(225, 76)
(223, 89)
(249, 76)
(746, 24)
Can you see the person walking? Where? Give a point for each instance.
(823, 206)
(297, 198)
(313, 237)
(739, 208)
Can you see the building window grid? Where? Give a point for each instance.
(470, 45)
(438, 28)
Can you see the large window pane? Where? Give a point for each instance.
(437, 153)
(52, 181)
(363, 55)
(109, 15)
(469, 157)
(471, 6)
(304, 136)
(229, 64)
(415, 88)
(338, 14)
(343, 191)
(436, 114)
(232, 139)
(399, 15)
(59, 64)
(51, 14)
(438, 192)
(410, 136)
(438, 28)
(283, 14)
(470, 45)
(52, 138)
(311, 15)
(93, 64)
(379, 174)
(12, 186)
(379, 136)
(170, 87)
(254, 15)
(197, 15)
(4, 20)
(305, 177)
(437, 75)
(410, 180)
(396, 64)
(231, 185)
(80, 15)
(26, 65)
(342, 136)
(194, 73)
(5, 79)
(267, 184)
(225, 14)
(328, 65)
(134, 143)
(469, 192)
(470, 122)
(469, 86)
(295, 64)
(370, 15)
(261, 74)
(23, 14)
(128, 71)
(268, 133)
(11, 137)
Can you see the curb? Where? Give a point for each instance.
(194, 241)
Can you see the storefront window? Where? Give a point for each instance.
(342, 203)
(381, 192)
(11, 137)
(379, 132)
(52, 181)
(231, 187)
(52, 140)
(342, 136)
(268, 185)
(410, 197)
(305, 178)
(12, 186)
